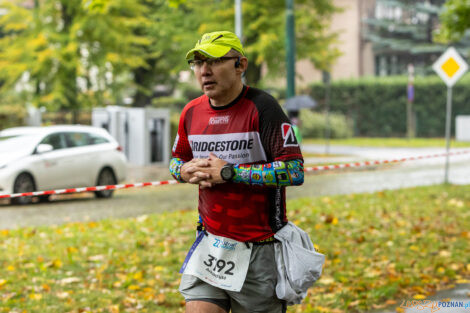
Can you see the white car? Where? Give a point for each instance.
(57, 157)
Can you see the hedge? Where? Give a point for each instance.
(313, 125)
(11, 115)
(377, 106)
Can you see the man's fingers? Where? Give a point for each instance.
(190, 169)
(202, 163)
(198, 177)
(194, 168)
(212, 155)
(202, 175)
(194, 180)
(204, 184)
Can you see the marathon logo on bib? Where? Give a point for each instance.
(223, 244)
(289, 136)
(233, 148)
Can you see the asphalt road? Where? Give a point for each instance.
(138, 201)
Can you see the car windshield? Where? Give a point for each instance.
(11, 144)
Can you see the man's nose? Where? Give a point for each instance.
(205, 69)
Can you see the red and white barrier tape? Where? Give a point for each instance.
(172, 182)
(85, 189)
(379, 162)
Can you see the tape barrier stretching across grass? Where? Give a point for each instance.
(172, 182)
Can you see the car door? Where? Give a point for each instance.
(51, 168)
(84, 164)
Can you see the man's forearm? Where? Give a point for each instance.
(175, 169)
(274, 174)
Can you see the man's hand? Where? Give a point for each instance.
(205, 172)
(192, 173)
(213, 169)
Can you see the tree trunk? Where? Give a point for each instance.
(144, 78)
(143, 94)
(68, 68)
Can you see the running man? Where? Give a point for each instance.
(237, 144)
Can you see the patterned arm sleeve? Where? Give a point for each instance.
(175, 169)
(275, 174)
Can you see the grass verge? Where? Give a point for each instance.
(388, 245)
(391, 142)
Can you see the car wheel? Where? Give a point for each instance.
(23, 183)
(106, 177)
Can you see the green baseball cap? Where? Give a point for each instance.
(216, 45)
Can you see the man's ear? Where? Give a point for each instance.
(243, 65)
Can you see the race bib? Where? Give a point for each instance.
(218, 261)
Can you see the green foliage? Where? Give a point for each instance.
(313, 125)
(189, 91)
(11, 115)
(79, 52)
(169, 102)
(455, 19)
(278, 93)
(377, 107)
(264, 32)
(174, 123)
(171, 33)
(84, 53)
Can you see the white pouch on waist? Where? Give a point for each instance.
(298, 264)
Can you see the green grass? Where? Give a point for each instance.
(382, 246)
(390, 142)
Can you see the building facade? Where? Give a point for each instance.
(357, 57)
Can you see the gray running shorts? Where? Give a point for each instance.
(258, 293)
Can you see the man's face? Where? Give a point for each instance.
(218, 78)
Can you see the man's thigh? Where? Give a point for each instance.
(203, 307)
(257, 295)
(201, 295)
(259, 290)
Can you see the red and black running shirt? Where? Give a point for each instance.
(251, 129)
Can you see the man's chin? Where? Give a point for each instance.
(211, 93)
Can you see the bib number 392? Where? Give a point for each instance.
(220, 265)
(219, 261)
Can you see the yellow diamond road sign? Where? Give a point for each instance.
(450, 66)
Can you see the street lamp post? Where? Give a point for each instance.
(238, 19)
(290, 48)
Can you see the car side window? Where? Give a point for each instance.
(97, 139)
(55, 140)
(77, 139)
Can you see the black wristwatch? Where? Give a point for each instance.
(227, 172)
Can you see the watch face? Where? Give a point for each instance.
(226, 173)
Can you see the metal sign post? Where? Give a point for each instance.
(450, 67)
(448, 123)
(410, 92)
